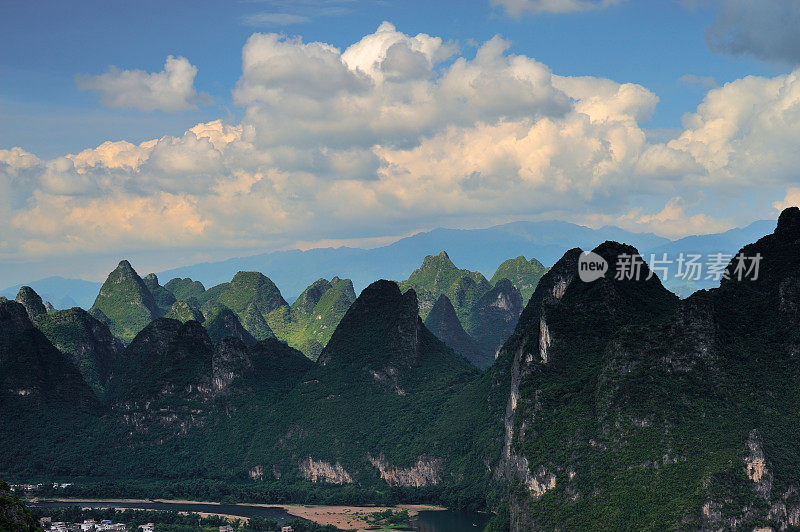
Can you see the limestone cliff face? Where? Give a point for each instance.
(425, 472)
(320, 471)
(529, 346)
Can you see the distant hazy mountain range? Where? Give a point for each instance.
(474, 249)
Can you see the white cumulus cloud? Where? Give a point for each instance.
(171, 90)
(398, 133)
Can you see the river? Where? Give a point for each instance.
(426, 521)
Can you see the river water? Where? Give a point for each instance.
(427, 521)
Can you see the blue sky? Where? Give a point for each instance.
(600, 95)
(654, 43)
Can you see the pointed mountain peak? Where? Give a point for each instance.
(126, 301)
(440, 261)
(443, 307)
(125, 267)
(789, 223)
(221, 322)
(252, 287)
(382, 325)
(443, 322)
(32, 302)
(151, 277)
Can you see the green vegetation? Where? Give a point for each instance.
(389, 520)
(186, 310)
(185, 289)
(524, 275)
(14, 515)
(172, 521)
(221, 322)
(126, 302)
(612, 402)
(307, 325)
(443, 322)
(492, 319)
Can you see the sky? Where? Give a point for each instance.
(184, 131)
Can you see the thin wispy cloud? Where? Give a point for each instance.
(274, 19)
(284, 13)
(692, 80)
(518, 8)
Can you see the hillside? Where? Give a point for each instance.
(43, 398)
(631, 407)
(87, 341)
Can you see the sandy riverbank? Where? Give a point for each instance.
(344, 517)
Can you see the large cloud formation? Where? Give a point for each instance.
(397, 133)
(170, 90)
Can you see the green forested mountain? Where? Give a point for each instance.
(306, 325)
(184, 289)
(524, 275)
(126, 302)
(628, 406)
(32, 302)
(613, 404)
(438, 275)
(221, 322)
(492, 319)
(487, 313)
(185, 310)
(44, 400)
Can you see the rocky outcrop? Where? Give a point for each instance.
(28, 298)
(320, 471)
(425, 472)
